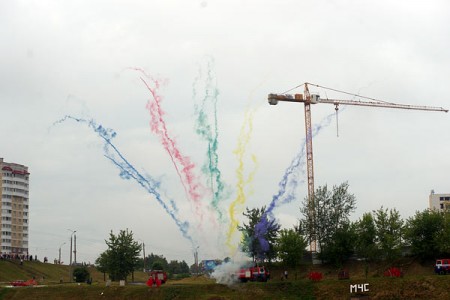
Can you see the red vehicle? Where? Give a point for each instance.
(442, 266)
(253, 274)
(29, 282)
(158, 274)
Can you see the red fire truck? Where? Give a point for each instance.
(261, 274)
(158, 275)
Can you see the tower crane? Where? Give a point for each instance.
(307, 99)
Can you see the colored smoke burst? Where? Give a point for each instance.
(203, 184)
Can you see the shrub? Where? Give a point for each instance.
(81, 274)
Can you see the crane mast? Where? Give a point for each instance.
(309, 163)
(307, 99)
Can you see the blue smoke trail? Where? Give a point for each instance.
(287, 186)
(127, 171)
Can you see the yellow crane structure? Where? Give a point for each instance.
(307, 99)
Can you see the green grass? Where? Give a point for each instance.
(419, 283)
(297, 290)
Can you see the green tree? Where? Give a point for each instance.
(259, 235)
(184, 268)
(157, 262)
(81, 274)
(365, 243)
(178, 267)
(423, 232)
(101, 264)
(326, 213)
(444, 245)
(291, 247)
(121, 256)
(174, 267)
(341, 245)
(389, 228)
(157, 265)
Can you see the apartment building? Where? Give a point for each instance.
(439, 202)
(14, 189)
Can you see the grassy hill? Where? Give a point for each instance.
(418, 282)
(46, 273)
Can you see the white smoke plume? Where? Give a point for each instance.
(226, 273)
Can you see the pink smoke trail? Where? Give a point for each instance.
(158, 125)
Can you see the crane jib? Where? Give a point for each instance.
(315, 99)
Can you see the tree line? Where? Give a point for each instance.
(378, 235)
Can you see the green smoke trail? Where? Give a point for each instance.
(208, 130)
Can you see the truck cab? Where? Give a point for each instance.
(442, 266)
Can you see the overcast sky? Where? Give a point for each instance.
(77, 57)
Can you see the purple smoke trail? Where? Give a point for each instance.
(128, 171)
(287, 187)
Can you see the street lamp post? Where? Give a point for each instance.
(59, 259)
(70, 265)
(143, 251)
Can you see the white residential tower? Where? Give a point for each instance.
(14, 189)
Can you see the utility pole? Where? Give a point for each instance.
(75, 249)
(59, 259)
(70, 265)
(196, 259)
(70, 262)
(143, 250)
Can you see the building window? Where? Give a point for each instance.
(442, 205)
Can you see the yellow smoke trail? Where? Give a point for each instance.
(236, 207)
